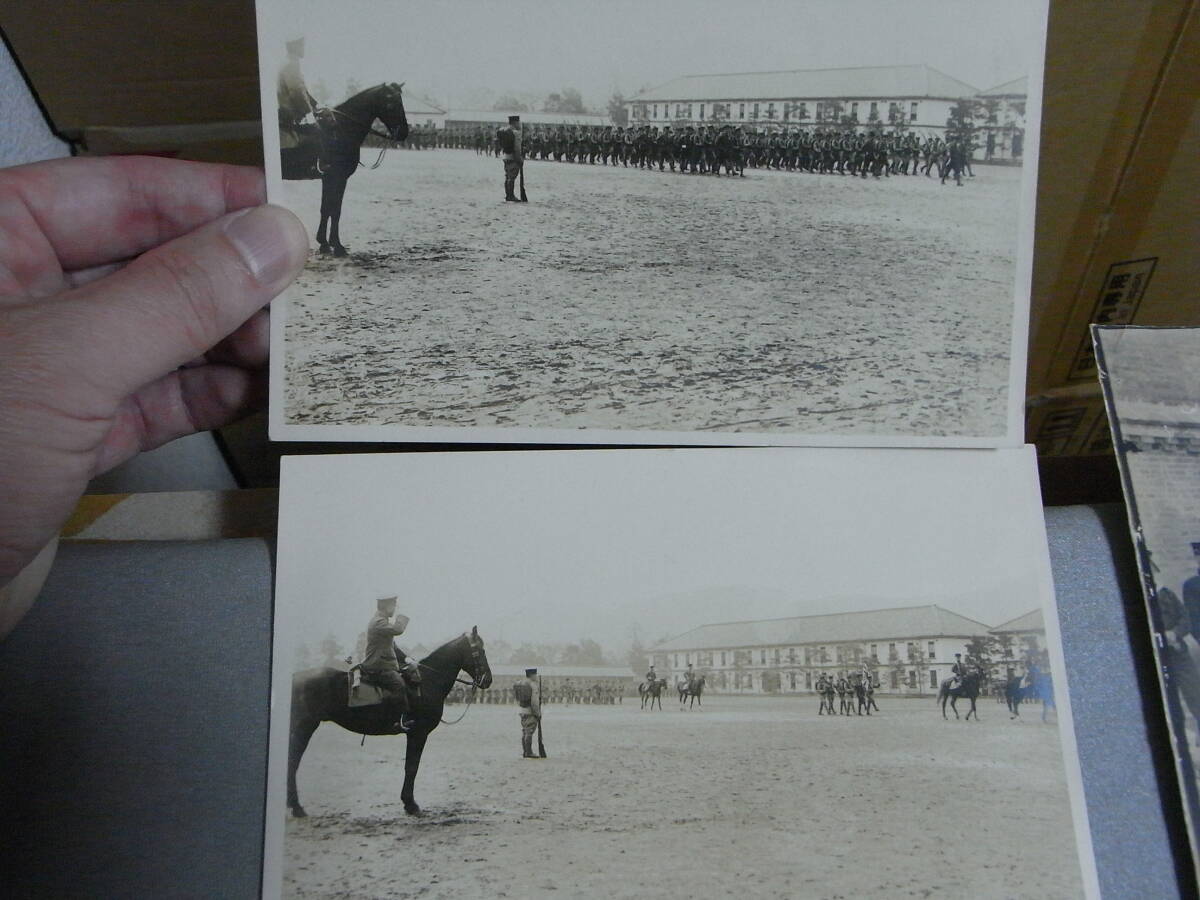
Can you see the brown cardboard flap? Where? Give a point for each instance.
(1116, 226)
(137, 62)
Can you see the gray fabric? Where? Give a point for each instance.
(134, 709)
(134, 700)
(1107, 649)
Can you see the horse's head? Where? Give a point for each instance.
(476, 663)
(390, 110)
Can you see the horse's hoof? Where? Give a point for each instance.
(298, 812)
(340, 252)
(412, 809)
(324, 249)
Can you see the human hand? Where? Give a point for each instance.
(132, 295)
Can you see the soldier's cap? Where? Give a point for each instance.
(958, 654)
(513, 120)
(380, 601)
(529, 673)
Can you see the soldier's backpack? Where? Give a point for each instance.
(523, 692)
(507, 140)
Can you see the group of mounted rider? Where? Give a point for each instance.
(689, 685)
(728, 149)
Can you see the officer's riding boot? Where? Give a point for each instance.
(527, 746)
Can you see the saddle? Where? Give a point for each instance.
(364, 692)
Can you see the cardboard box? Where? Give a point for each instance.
(1117, 229)
(111, 75)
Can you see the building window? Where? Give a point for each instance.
(874, 111)
(687, 659)
(762, 657)
(895, 679)
(912, 114)
(808, 680)
(875, 652)
(702, 110)
(689, 110)
(932, 654)
(854, 110)
(741, 110)
(912, 678)
(791, 654)
(771, 110)
(754, 112)
(892, 652)
(792, 680)
(803, 111)
(911, 649)
(824, 655)
(656, 110)
(775, 656)
(722, 657)
(933, 678)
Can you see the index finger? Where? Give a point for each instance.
(100, 210)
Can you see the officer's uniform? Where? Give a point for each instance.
(530, 713)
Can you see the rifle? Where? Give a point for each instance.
(525, 199)
(541, 746)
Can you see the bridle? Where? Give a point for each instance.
(474, 684)
(370, 129)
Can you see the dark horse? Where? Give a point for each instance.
(322, 695)
(693, 689)
(651, 691)
(969, 689)
(331, 151)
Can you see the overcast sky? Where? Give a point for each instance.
(456, 50)
(557, 546)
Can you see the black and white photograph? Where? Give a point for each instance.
(756, 671)
(1152, 393)
(657, 222)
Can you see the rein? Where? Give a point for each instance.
(470, 701)
(370, 130)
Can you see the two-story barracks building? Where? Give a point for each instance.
(915, 98)
(910, 649)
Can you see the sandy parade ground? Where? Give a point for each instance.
(626, 299)
(737, 799)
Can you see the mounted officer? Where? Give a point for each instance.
(958, 671)
(296, 104)
(384, 661)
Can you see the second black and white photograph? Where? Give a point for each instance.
(817, 673)
(666, 221)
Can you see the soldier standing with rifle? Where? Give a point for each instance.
(508, 142)
(529, 702)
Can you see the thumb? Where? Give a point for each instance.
(177, 301)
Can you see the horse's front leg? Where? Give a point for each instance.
(412, 762)
(322, 242)
(335, 215)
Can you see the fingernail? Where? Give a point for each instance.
(265, 242)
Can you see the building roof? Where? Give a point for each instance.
(1018, 87)
(420, 105)
(863, 82)
(1031, 621)
(566, 671)
(879, 624)
(527, 118)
